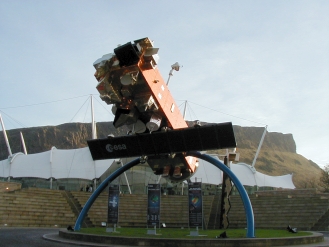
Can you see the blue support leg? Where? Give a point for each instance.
(238, 185)
(100, 188)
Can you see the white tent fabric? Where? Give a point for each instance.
(102, 165)
(4, 168)
(78, 163)
(245, 174)
(56, 163)
(208, 173)
(284, 181)
(32, 165)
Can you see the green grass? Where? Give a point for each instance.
(183, 233)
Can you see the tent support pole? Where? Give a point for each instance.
(259, 147)
(6, 137)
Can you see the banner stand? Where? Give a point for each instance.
(113, 208)
(195, 233)
(112, 229)
(195, 205)
(153, 208)
(153, 231)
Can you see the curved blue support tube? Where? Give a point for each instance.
(217, 163)
(238, 185)
(100, 188)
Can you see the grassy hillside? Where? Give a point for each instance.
(277, 156)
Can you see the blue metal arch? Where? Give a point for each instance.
(217, 163)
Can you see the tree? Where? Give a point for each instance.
(312, 183)
(324, 179)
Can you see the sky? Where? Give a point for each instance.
(252, 63)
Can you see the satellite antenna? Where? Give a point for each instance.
(176, 67)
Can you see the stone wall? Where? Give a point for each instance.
(9, 186)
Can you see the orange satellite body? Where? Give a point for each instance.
(130, 80)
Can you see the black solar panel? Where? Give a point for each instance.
(202, 138)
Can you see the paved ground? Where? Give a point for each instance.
(35, 237)
(26, 237)
(323, 244)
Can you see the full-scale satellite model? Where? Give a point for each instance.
(129, 80)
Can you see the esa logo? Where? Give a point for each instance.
(111, 148)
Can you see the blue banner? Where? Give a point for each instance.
(195, 204)
(113, 204)
(153, 208)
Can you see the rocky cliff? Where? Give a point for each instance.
(277, 157)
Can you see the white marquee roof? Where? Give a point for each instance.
(210, 174)
(78, 163)
(56, 163)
